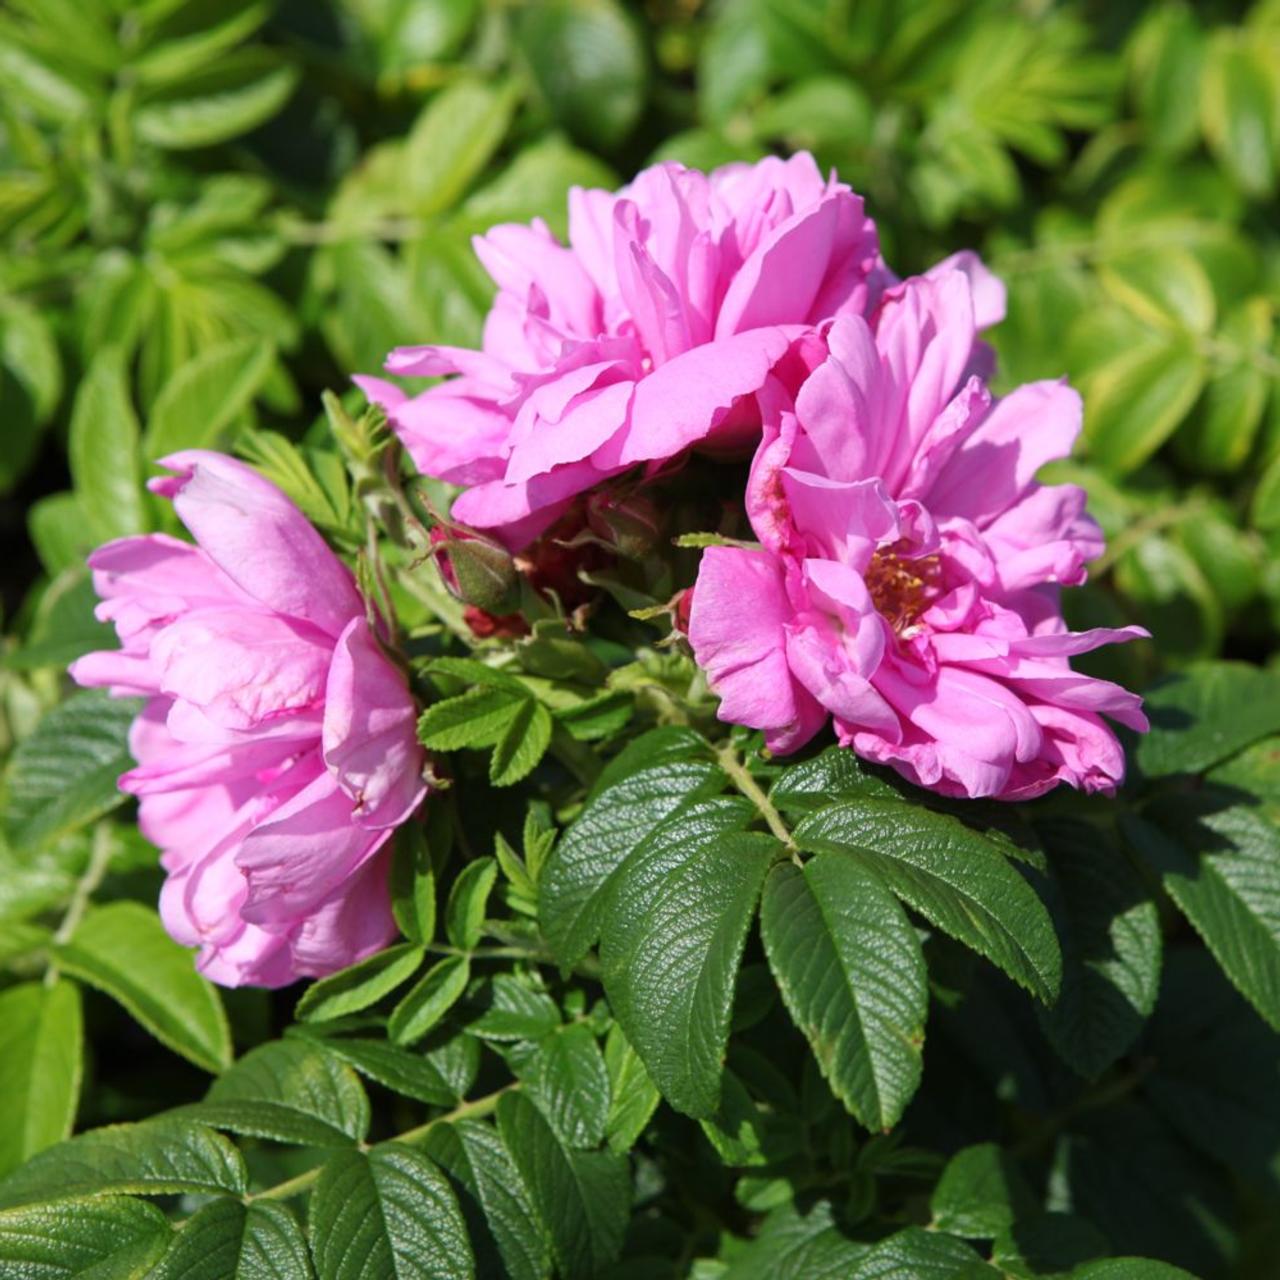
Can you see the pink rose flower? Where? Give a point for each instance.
(908, 580)
(276, 752)
(647, 334)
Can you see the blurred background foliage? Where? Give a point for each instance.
(212, 210)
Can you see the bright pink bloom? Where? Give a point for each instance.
(276, 752)
(908, 581)
(648, 334)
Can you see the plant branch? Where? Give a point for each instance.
(467, 1110)
(748, 786)
(99, 861)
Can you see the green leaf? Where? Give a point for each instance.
(156, 1157)
(90, 1238)
(569, 1081)
(494, 1199)
(227, 1240)
(953, 876)
(523, 743)
(1168, 54)
(980, 1194)
(59, 530)
(589, 63)
(1167, 288)
(231, 97)
(1206, 713)
(41, 1042)
(536, 184)
(103, 449)
(22, 432)
(834, 774)
(413, 879)
(795, 1246)
(429, 999)
(123, 950)
(1220, 437)
(504, 1008)
(1214, 1071)
(633, 1097)
(187, 42)
(477, 718)
(1129, 1269)
(1135, 402)
(49, 89)
(1221, 865)
(355, 988)
(1239, 111)
(1109, 928)
(850, 969)
(652, 779)
(1046, 1244)
(452, 141)
(672, 942)
(63, 775)
(468, 901)
(916, 1254)
(416, 1075)
(582, 1197)
(289, 1091)
(388, 1214)
(197, 407)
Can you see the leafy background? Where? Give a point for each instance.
(212, 211)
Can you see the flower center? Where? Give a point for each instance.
(902, 589)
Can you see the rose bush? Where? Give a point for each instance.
(649, 784)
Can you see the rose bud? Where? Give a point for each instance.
(630, 524)
(476, 570)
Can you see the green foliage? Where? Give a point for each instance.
(664, 1007)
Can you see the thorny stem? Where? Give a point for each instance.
(99, 860)
(745, 783)
(467, 1110)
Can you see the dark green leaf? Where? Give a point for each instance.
(633, 1097)
(494, 1199)
(1221, 865)
(796, 1246)
(980, 1194)
(388, 1214)
(582, 1198)
(1206, 713)
(915, 1254)
(955, 877)
(655, 777)
(675, 926)
(227, 1240)
(90, 1238)
(290, 1091)
(849, 966)
(1110, 933)
(157, 1157)
(568, 1080)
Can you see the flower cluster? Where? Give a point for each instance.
(904, 587)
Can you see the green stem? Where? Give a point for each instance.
(468, 1110)
(748, 786)
(99, 861)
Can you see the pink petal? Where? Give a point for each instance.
(259, 539)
